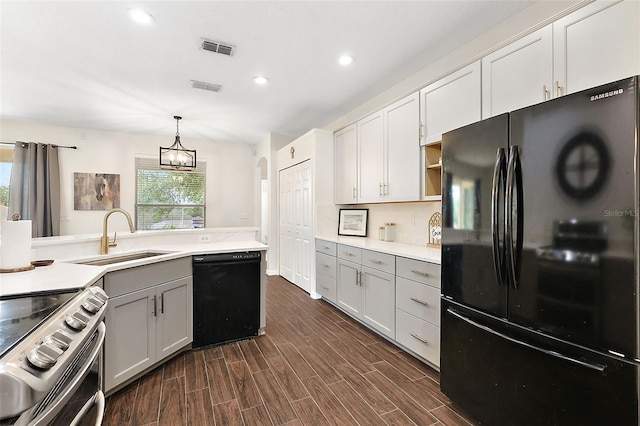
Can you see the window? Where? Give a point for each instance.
(6, 161)
(168, 199)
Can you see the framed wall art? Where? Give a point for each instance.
(353, 222)
(96, 191)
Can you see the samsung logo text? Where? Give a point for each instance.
(607, 94)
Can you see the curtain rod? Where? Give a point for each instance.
(55, 146)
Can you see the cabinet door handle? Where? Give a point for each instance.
(355, 192)
(375, 261)
(420, 272)
(558, 89)
(422, 302)
(384, 190)
(420, 130)
(545, 93)
(155, 307)
(162, 303)
(422, 339)
(361, 278)
(380, 189)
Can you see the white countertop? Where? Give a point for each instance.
(66, 275)
(411, 251)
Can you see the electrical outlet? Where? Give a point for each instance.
(205, 238)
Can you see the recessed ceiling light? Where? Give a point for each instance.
(141, 17)
(345, 60)
(260, 80)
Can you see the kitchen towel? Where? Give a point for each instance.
(15, 244)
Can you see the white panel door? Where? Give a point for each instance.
(519, 74)
(174, 313)
(304, 246)
(346, 165)
(285, 215)
(597, 44)
(371, 158)
(451, 102)
(402, 150)
(379, 300)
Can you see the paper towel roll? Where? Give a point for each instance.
(15, 245)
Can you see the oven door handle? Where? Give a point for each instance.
(49, 414)
(98, 400)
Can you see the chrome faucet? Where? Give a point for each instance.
(104, 241)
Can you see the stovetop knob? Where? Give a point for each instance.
(44, 356)
(76, 321)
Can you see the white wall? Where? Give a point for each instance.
(230, 180)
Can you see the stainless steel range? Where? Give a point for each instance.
(50, 346)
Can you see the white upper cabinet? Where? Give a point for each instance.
(402, 150)
(596, 44)
(346, 165)
(451, 102)
(518, 75)
(371, 158)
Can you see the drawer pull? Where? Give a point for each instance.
(423, 340)
(325, 287)
(422, 302)
(325, 265)
(326, 247)
(348, 254)
(375, 261)
(420, 273)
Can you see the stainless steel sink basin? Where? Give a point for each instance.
(118, 258)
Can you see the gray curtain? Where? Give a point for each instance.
(34, 190)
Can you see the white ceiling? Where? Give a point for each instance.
(86, 64)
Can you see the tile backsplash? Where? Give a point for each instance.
(411, 219)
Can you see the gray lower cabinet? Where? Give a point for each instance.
(396, 296)
(418, 308)
(149, 318)
(367, 292)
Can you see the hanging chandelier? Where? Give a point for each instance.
(176, 156)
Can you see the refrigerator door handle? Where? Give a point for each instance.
(498, 252)
(597, 367)
(514, 251)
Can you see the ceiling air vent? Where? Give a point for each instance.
(205, 86)
(216, 47)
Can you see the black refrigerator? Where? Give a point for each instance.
(540, 251)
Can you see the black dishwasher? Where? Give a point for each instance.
(226, 297)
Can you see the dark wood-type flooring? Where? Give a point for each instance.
(314, 366)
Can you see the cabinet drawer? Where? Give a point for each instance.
(125, 281)
(416, 270)
(418, 335)
(352, 254)
(326, 287)
(420, 300)
(380, 261)
(326, 265)
(326, 247)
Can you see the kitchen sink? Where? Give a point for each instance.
(118, 258)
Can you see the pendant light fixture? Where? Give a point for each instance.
(176, 156)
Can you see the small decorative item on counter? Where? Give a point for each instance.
(381, 233)
(435, 230)
(389, 231)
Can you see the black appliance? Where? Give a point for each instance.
(50, 353)
(540, 262)
(226, 297)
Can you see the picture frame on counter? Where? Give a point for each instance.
(353, 222)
